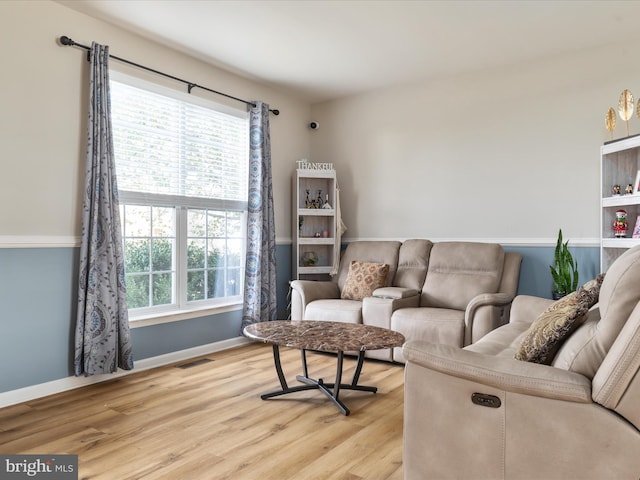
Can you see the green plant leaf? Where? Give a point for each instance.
(564, 272)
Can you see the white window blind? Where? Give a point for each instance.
(170, 147)
(182, 167)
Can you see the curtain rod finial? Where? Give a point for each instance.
(64, 40)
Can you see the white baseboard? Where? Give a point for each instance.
(69, 383)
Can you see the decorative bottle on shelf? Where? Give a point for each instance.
(326, 204)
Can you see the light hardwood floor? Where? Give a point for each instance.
(208, 422)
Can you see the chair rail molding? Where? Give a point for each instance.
(509, 242)
(38, 241)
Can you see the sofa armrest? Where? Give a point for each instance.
(304, 292)
(504, 373)
(311, 290)
(485, 312)
(489, 311)
(526, 308)
(494, 299)
(377, 311)
(395, 292)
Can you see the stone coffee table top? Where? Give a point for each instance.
(324, 336)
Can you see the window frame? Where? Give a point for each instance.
(182, 308)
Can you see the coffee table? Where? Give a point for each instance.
(335, 337)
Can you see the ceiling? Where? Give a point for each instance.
(325, 49)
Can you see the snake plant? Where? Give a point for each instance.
(565, 269)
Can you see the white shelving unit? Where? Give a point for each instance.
(620, 162)
(314, 222)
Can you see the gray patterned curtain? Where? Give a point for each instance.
(260, 267)
(103, 342)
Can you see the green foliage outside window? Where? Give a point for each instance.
(141, 255)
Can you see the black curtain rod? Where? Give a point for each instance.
(66, 41)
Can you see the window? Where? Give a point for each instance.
(182, 179)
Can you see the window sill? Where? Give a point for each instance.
(178, 315)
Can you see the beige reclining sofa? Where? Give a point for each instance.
(450, 292)
(480, 413)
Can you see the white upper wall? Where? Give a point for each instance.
(43, 109)
(509, 153)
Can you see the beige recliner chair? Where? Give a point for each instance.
(320, 300)
(478, 413)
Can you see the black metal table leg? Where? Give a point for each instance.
(336, 387)
(331, 390)
(303, 353)
(283, 381)
(276, 360)
(356, 373)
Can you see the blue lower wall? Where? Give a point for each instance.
(535, 274)
(38, 308)
(37, 319)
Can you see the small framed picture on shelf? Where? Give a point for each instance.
(636, 186)
(636, 228)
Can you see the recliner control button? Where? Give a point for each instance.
(486, 400)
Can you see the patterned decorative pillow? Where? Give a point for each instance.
(555, 324)
(592, 288)
(363, 278)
